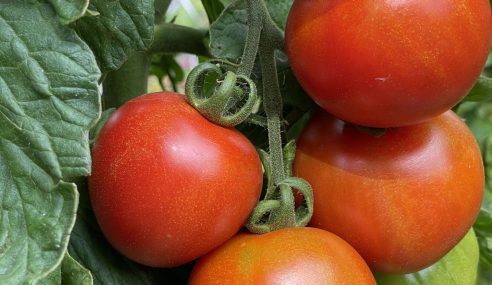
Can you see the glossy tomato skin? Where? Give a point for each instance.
(388, 63)
(403, 199)
(305, 256)
(167, 185)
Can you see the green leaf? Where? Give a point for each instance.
(483, 228)
(72, 273)
(487, 160)
(94, 132)
(69, 10)
(279, 10)
(48, 101)
(478, 117)
(121, 27)
(481, 91)
(228, 32)
(458, 267)
(54, 278)
(69, 272)
(213, 9)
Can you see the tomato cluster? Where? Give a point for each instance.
(402, 199)
(168, 186)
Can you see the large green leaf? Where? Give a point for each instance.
(69, 10)
(48, 101)
(458, 267)
(478, 117)
(120, 27)
(72, 273)
(69, 272)
(279, 10)
(228, 32)
(54, 278)
(481, 91)
(483, 228)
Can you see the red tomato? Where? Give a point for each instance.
(167, 185)
(388, 63)
(306, 256)
(403, 199)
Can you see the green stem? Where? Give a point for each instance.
(272, 103)
(272, 98)
(160, 7)
(127, 82)
(171, 38)
(252, 37)
(277, 209)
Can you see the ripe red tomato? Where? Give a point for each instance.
(403, 199)
(167, 185)
(388, 63)
(305, 256)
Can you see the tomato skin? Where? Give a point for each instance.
(403, 199)
(289, 256)
(383, 63)
(167, 185)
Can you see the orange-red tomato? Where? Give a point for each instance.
(388, 63)
(167, 185)
(306, 256)
(403, 199)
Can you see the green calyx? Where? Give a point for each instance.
(228, 102)
(275, 211)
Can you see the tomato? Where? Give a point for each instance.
(167, 185)
(459, 266)
(305, 256)
(403, 199)
(388, 63)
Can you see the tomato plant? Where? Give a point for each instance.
(388, 63)
(288, 256)
(171, 180)
(167, 185)
(402, 199)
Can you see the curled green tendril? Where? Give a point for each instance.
(277, 210)
(224, 104)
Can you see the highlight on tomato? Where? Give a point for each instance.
(289, 256)
(402, 199)
(381, 63)
(167, 185)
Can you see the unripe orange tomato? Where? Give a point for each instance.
(306, 256)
